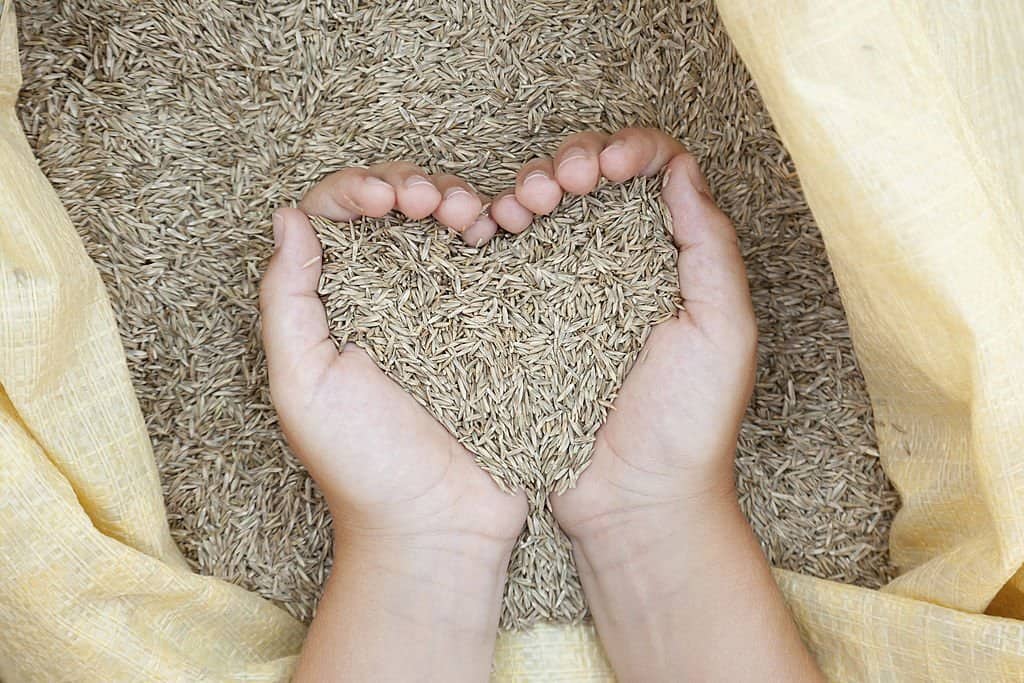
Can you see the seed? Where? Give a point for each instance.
(170, 148)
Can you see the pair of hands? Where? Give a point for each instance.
(387, 469)
(406, 494)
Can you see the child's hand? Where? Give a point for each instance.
(675, 580)
(385, 466)
(670, 438)
(423, 534)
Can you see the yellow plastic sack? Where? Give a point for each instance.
(904, 121)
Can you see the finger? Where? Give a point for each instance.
(637, 151)
(481, 232)
(509, 213)
(348, 194)
(577, 168)
(296, 338)
(536, 188)
(460, 206)
(415, 194)
(712, 278)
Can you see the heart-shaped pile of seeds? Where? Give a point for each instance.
(518, 347)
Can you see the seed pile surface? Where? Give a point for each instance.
(172, 129)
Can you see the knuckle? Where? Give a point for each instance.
(447, 180)
(347, 173)
(584, 138)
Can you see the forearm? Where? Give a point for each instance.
(407, 611)
(690, 597)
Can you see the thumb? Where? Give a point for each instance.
(712, 277)
(296, 338)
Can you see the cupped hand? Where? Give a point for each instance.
(670, 438)
(676, 582)
(387, 469)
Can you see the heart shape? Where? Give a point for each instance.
(518, 347)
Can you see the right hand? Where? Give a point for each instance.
(670, 438)
(676, 582)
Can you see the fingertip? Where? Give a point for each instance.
(288, 222)
(512, 216)
(295, 241)
(540, 194)
(712, 277)
(480, 232)
(419, 197)
(458, 209)
(577, 168)
(292, 317)
(374, 196)
(617, 161)
(637, 151)
(536, 188)
(415, 195)
(578, 175)
(685, 168)
(686, 193)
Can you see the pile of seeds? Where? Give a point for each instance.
(171, 129)
(518, 347)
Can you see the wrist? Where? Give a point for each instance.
(629, 530)
(653, 580)
(638, 565)
(398, 605)
(443, 582)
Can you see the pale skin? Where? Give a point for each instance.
(676, 582)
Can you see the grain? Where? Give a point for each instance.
(172, 129)
(518, 347)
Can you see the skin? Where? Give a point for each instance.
(427, 534)
(677, 584)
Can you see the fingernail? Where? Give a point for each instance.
(534, 176)
(377, 182)
(573, 154)
(617, 145)
(416, 180)
(278, 229)
(453, 192)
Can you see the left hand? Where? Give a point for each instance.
(385, 466)
(425, 534)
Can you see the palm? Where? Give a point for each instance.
(663, 439)
(377, 450)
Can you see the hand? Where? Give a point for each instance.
(670, 438)
(676, 582)
(672, 433)
(385, 466)
(423, 534)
